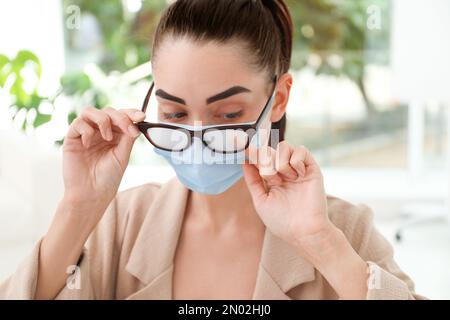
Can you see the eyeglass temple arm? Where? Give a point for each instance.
(268, 105)
(147, 98)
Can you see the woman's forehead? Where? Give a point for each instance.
(204, 62)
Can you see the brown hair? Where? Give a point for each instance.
(264, 26)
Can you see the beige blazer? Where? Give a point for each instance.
(130, 254)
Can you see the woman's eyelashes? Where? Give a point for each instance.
(231, 116)
(174, 116)
(221, 116)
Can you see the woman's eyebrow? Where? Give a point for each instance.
(161, 93)
(220, 96)
(227, 93)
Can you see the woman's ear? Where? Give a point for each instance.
(283, 91)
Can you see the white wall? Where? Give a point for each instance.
(421, 49)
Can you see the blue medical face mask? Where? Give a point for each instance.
(202, 170)
(213, 174)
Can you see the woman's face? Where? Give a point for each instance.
(209, 83)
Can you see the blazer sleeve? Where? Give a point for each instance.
(386, 281)
(86, 280)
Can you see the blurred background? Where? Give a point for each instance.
(370, 99)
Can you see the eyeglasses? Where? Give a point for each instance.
(219, 138)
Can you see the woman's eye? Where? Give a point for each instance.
(231, 116)
(176, 115)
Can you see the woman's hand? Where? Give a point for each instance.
(286, 185)
(96, 152)
(287, 189)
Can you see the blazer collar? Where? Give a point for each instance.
(151, 258)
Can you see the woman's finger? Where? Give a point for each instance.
(282, 159)
(125, 144)
(301, 159)
(266, 165)
(101, 119)
(121, 120)
(80, 128)
(134, 114)
(254, 182)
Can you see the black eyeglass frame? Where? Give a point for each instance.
(144, 126)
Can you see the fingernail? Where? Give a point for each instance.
(133, 130)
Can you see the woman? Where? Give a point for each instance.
(264, 229)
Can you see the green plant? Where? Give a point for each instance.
(20, 77)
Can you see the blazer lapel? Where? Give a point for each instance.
(280, 270)
(151, 259)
